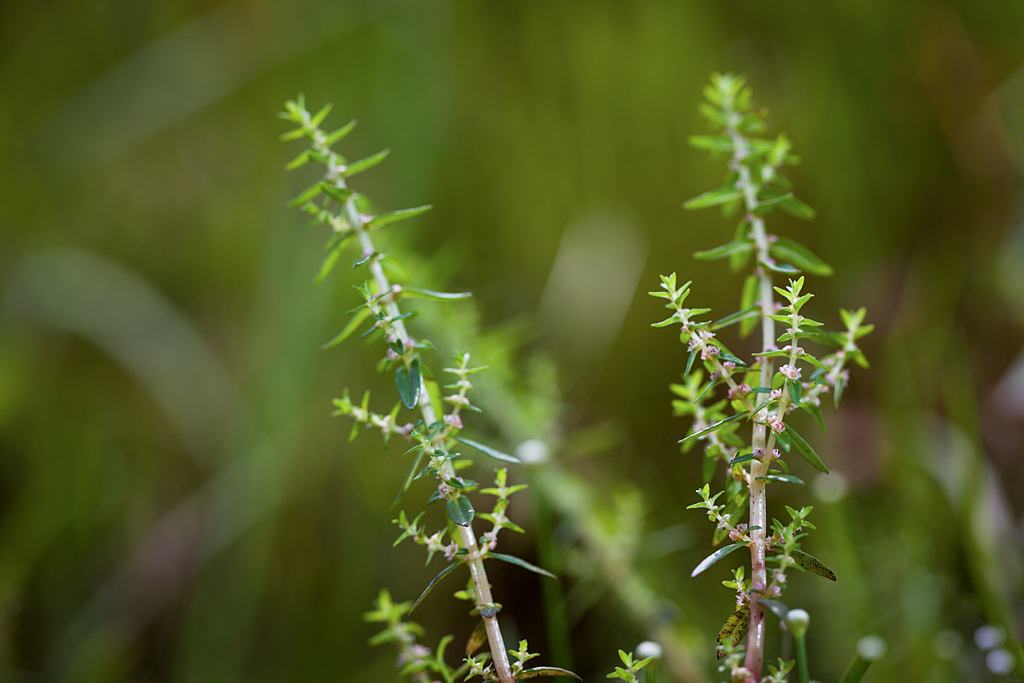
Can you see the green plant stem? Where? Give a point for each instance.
(858, 667)
(473, 559)
(800, 643)
(759, 467)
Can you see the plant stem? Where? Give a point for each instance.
(474, 559)
(800, 641)
(758, 467)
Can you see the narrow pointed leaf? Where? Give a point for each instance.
(408, 480)
(745, 457)
(766, 206)
(416, 293)
(341, 132)
(305, 196)
(328, 265)
(805, 451)
(689, 362)
(408, 390)
(715, 557)
(444, 572)
(298, 161)
(351, 326)
(724, 251)
(748, 299)
(522, 563)
(713, 198)
(738, 316)
(800, 256)
(784, 478)
(735, 628)
(477, 638)
(796, 207)
(460, 510)
(777, 607)
(813, 565)
(815, 412)
(715, 143)
(715, 427)
(546, 671)
(783, 268)
(838, 392)
(366, 164)
(794, 389)
(487, 450)
(394, 216)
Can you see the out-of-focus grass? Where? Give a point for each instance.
(175, 503)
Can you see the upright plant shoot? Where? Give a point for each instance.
(736, 395)
(435, 427)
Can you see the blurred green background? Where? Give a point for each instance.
(176, 503)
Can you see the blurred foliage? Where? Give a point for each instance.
(175, 504)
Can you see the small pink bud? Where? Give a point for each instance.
(790, 371)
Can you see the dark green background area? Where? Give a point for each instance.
(176, 503)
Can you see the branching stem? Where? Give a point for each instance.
(476, 564)
(758, 466)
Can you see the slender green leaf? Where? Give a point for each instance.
(724, 251)
(319, 117)
(800, 256)
(365, 259)
(477, 638)
(341, 132)
(714, 427)
(328, 265)
(713, 198)
(394, 216)
(778, 608)
(783, 268)
(460, 510)
(795, 390)
(813, 564)
(408, 479)
(305, 196)
(738, 316)
(366, 164)
(417, 293)
(712, 143)
(796, 207)
(766, 206)
(785, 478)
(444, 572)
(546, 671)
(748, 299)
(715, 557)
(408, 387)
(805, 451)
(815, 412)
(689, 362)
(298, 161)
(735, 628)
(522, 563)
(338, 194)
(353, 324)
(487, 450)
